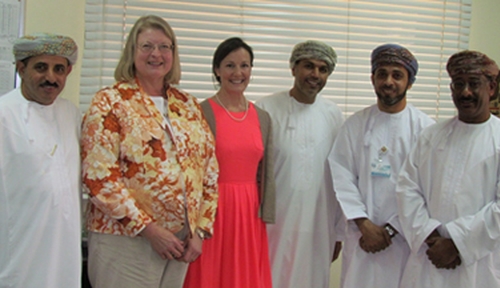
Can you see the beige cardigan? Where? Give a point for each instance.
(265, 180)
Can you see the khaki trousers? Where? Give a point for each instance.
(130, 262)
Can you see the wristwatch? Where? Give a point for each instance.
(390, 230)
(201, 233)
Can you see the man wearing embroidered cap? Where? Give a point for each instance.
(368, 153)
(304, 240)
(40, 169)
(43, 62)
(448, 188)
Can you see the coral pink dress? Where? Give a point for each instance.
(237, 254)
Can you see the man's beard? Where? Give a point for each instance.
(388, 101)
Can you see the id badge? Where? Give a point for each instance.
(380, 169)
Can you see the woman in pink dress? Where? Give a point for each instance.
(237, 254)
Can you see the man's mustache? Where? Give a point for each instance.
(47, 83)
(467, 98)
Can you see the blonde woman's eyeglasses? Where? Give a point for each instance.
(163, 48)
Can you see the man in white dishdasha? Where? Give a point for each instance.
(448, 189)
(40, 234)
(366, 158)
(304, 241)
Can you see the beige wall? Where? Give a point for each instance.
(64, 17)
(484, 35)
(67, 17)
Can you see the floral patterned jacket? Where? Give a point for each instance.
(135, 174)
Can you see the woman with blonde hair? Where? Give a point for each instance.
(149, 167)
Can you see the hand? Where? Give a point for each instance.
(442, 252)
(434, 233)
(374, 238)
(193, 249)
(164, 242)
(336, 251)
(454, 264)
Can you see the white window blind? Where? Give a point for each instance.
(431, 29)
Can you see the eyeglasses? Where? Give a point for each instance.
(163, 48)
(460, 85)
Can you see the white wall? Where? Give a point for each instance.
(67, 17)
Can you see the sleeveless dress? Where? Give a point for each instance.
(237, 255)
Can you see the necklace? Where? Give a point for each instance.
(229, 113)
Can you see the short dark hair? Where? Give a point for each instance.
(226, 47)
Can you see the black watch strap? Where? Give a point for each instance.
(390, 230)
